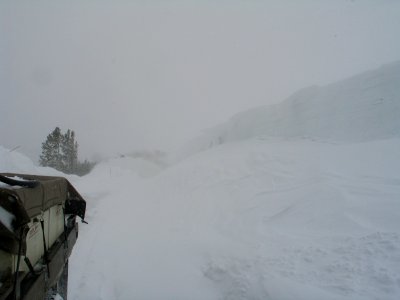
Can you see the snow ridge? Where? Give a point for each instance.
(361, 108)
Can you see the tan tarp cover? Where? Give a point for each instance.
(26, 203)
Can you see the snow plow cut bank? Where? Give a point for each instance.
(38, 230)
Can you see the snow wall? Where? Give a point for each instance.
(362, 108)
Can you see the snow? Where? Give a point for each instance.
(362, 108)
(257, 219)
(5, 185)
(309, 213)
(125, 165)
(6, 218)
(57, 297)
(15, 162)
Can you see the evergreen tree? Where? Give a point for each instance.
(69, 151)
(84, 168)
(60, 151)
(51, 150)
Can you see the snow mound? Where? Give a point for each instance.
(365, 107)
(255, 219)
(15, 162)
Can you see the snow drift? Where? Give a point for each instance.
(362, 108)
(257, 219)
(15, 162)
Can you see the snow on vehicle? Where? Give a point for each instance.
(38, 230)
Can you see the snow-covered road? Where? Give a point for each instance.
(258, 219)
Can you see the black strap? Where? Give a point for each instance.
(30, 267)
(16, 290)
(65, 231)
(46, 253)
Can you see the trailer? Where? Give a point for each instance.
(38, 230)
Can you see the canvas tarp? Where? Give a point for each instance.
(24, 203)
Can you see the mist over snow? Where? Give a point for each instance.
(126, 165)
(128, 75)
(300, 200)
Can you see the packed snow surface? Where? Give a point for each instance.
(264, 218)
(258, 219)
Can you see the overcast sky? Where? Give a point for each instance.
(149, 74)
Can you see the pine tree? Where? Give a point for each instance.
(60, 151)
(51, 150)
(69, 149)
(84, 168)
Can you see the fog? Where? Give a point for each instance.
(129, 75)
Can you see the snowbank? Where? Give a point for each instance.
(362, 108)
(15, 162)
(257, 219)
